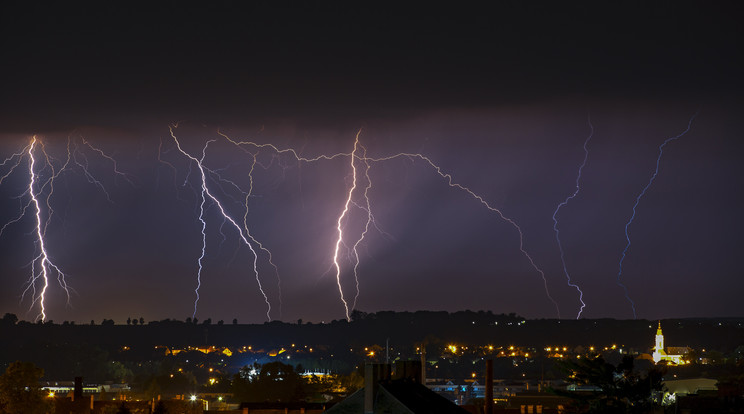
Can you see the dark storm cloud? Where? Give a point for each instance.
(105, 64)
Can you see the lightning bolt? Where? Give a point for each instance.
(357, 196)
(203, 232)
(453, 184)
(299, 158)
(340, 227)
(111, 159)
(370, 219)
(358, 155)
(243, 233)
(18, 157)
(43, 171)
(42, 268)
(635, 205)
(555, 220)
(43, 261)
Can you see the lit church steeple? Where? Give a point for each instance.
(659, 339)
(660, 354)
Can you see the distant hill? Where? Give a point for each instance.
(723, 334)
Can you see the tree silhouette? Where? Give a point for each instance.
(20, 391)
(273, 381)
(618, 389)
(9, 319)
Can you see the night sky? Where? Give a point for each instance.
(502, 98)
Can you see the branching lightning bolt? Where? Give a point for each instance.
(18, 157)
(354, 157)
(100, 152)
(357, 196)
(555, 220)
(42, 268)
(43, 170)
(340, 227)
(635, 205)
(47, 266)
(245, 233)
(370, 220)
(242, 233)
(450, 182)
(359, 154)
(203, 231)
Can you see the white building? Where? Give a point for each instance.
(673, 355)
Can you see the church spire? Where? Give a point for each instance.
(659, 346)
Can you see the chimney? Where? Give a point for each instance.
(489, 387)
(408, 370)
(373, 374)
(423, 364)
(78, 393)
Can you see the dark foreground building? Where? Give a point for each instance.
(401, 394)
(280, 408)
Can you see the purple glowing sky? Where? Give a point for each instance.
(498, 98)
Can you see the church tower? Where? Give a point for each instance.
(659, 339)
(659, 347)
